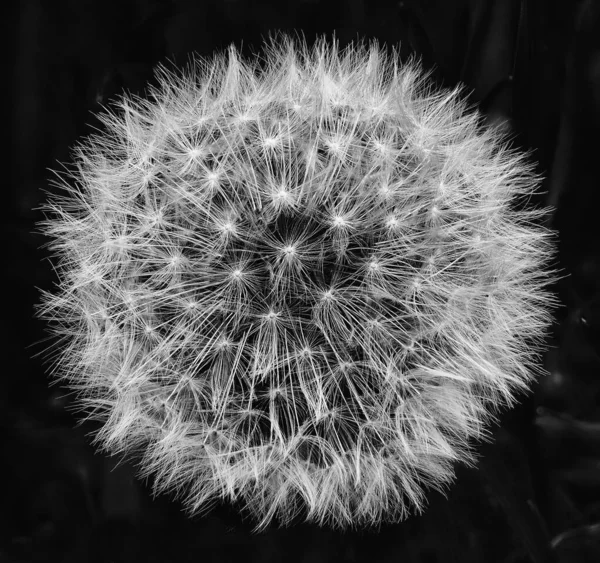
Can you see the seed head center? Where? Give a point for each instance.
(339, 221)
(328, 295)
(272, 315)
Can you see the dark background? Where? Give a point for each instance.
(535, 496)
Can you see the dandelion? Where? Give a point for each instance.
(302, 284)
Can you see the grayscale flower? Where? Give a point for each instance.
(301, 282)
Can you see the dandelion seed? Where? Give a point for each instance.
(328, 295)
(392, 223)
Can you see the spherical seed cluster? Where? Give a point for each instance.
(297, 283)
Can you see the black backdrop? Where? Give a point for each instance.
(535, 495)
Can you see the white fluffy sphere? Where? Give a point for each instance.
(300, 282)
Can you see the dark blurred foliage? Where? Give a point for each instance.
(535, 495)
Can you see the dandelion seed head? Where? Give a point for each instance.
(300, 285)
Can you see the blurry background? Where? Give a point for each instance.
(535, 496)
